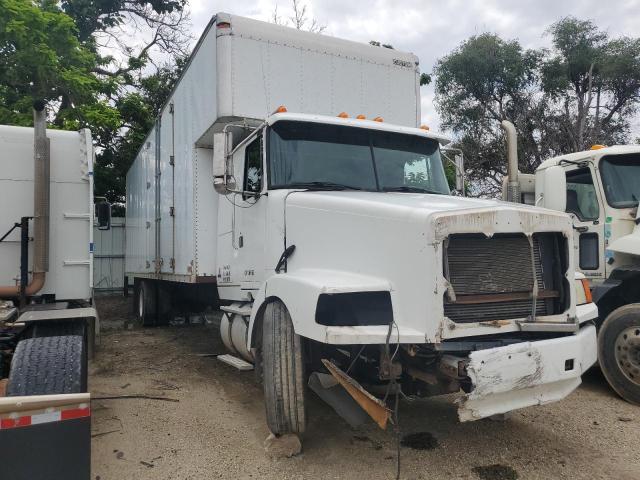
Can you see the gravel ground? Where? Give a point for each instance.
(216, 426)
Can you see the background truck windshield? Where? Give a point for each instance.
(621, 179)
(302, 153)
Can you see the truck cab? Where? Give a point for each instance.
(348, 226)
(599, 188)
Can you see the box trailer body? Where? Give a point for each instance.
(599, 188)
(288, 174)
(242, 73)
(48, 325)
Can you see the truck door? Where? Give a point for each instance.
(587, 212)
(241, 225)
(250, 214)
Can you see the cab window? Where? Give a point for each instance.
(253, 167)
(581, 195)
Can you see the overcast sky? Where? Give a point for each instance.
(430, 28)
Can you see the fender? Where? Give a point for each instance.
(622, 287)
(299, 291)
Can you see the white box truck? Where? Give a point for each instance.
(48, 324)
(287, 180)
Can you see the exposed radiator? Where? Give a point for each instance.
(492, 278)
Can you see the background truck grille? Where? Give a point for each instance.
(492, 278)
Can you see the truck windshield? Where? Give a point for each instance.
(621, 179)
(315, 155)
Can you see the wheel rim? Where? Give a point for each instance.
(141, 303)
(627, 348)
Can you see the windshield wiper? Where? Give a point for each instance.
(323, 186)
(405, 188)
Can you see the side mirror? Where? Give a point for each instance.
(223, 181)
(551, 188)
(103, 212)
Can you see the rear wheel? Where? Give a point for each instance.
(283, 372)
(48, 365)
(146, 303)
(619, 351)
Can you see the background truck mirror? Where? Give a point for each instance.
(103, 213)
(222, 175)
(551, 188)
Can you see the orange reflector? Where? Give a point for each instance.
(361, 117)
(281, 109)
(587, 290)
(223, 25)
(378, 119)
(424, 127)
(343, 115)
(597, 147)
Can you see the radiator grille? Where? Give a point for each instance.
(490, 269)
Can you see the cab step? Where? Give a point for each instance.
(235, 362)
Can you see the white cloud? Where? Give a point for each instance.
(431, 28)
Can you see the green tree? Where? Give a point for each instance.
(481, 83)
(41, 59)
(584, 90)
(92, 63)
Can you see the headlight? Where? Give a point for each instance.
(583, 291)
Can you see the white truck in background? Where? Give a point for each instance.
(48, 324)
(599, 188)
(287, 181)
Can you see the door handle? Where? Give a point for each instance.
(581, 229)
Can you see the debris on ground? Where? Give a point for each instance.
(283, 446)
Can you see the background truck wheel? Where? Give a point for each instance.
(619, 351)
(146, 303)
(283, 372)
(48, 365)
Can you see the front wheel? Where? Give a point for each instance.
(619, 351)
(283, 372)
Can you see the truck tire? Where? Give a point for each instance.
(619, 351)
(146, 303)
(283, 372)
(48, 365)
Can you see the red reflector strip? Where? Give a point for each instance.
(15, 422)
(75, 413)
(46, 417)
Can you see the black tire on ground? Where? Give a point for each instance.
(283, 372)
(48, 365)
(146, 296)
(619, 351)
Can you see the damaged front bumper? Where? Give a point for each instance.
(526, 374)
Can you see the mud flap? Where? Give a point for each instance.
(526, 374)
(45, 436)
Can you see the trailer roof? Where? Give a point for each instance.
(273, 33)
(355, 122)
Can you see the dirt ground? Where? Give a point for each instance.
(215, 425)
